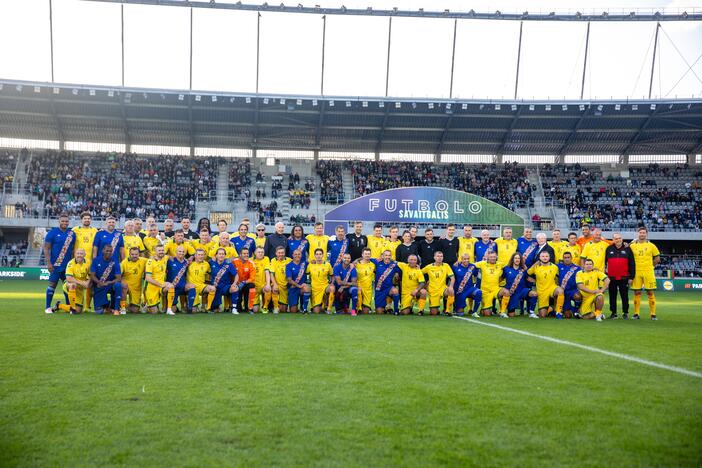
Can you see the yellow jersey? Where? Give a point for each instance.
(132, 241)
(366, 274)
(467, 245)
(260, 242)
(319, 274)
(411, 277)
(262, 266)
(376, 246)
(150, 244)
(79, 271)
(277, 269)
(391, 246)
(171, 246)
(198, 272)
(230, 250)
(437, 276)
(558, 249)
(574, 251)
(545, 277)
(490, 274)
(197, 244)
(84, 240)
(596, 251)
(644, 253)
(505, 249)
(317, 242)
(133, 272)
(590, 279)
(157, 269)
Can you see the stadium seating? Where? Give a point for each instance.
(680, 265)
(331, 190)
(664, 198)
(8, 162)
(121, 184)
(239, 179)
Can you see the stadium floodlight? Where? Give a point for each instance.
(299, 102)
(617, 107)
(265, 100)
(331, 103)
(581, 107)
(37, 89)
(314, 102)
(430, 105)
(531, 107)
(198, 98)
(57, 91)
(364, 104)
(600, 107)
(214, 98)
(398, 105)
(547, 107)
(282, 101)
(498, 107)
(634, 107)
(514, 107)
(348, 103)
(653, 107)
(464, 106)
(564, 107)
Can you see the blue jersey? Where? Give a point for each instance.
(466, 277)
(105, 270)
(240, 243)
(296, 272)
(383, 281)
(528, 250)
(62, 243)
(336, 248)
(298, 244)
(566, 276)
(221, 274)
(346, 274)
(512, 275)
(482, 248)
(176, 269)
(114, 238)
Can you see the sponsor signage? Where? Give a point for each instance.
(24, 274)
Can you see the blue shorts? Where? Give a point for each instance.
(381, 297)
(568, 303)
(100, 299)
(220, 291)
(462, 297)
(56, 275)
(516, 299)
(294, 294)
(179, 291)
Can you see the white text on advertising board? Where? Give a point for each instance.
(422, 209)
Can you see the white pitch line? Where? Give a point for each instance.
(626, 357)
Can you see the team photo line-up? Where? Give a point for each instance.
(146, 270)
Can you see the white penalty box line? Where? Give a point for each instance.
(625, 357)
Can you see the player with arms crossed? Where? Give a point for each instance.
(646, 257)
(437, 274)
(320, 272)
(490, 275)
(592, 285)
(412, 287)
(545, 273)
(133, 268)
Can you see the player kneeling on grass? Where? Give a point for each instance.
(77, 282)
(365, 270)
(175, 274)
(346, 284)
(466, 286)
(279, 281)
(297, 286)
(545, 273)
(386, 270)
(107, 278)
(320, 272)
(437, 274)
(156, 283)
(246, 277)
(196, 279)
(592, 284)
(517, 289)
(412, 287)
(133, 269)
(567, 272)
(490, 275)
(223, 282)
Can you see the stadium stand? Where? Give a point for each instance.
(685, 265)
(8, 162)
(331, 189)
(239, 179)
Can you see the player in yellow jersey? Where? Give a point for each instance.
(279, 280)
(196, 280)
(131, 239)
(318, 240)
(224, 243)
(320, 272)
(392, 242)
(545, 273)
(573, 248)
(596, 250)
(85, 235)
(155, 275)
(437, 274)
(366, 274)
(260, 236)
(376, 242)
(466, 244)
(412, 286)
(133, 268)
(151, 240)
(558, 245)
(506, 246)
(490, 278)
(646, 257)
(262, 281)
(205, 242)
(77, 282)
(178, 239)
(592, 285)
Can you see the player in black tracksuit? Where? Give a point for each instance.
(621, 269)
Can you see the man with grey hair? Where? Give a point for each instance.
(621, 269)
(542, 246)
(275, 240)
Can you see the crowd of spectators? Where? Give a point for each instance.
(300, 199)
(239, 178)
(303, 219)
(660, 197)
(12, 254)
(685, 265)
(331, 187)
(8, 163)
(120, 184)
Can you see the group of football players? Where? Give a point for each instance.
(147, 270)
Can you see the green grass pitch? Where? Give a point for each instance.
(337, 390)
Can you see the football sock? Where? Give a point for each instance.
(88, 297)
(72, 298)
(171, 298)
(559, 303)
(652, 304)
(637, 304)
(191, 298)
(49, 296)
(395, 303)
(330, 301)
(449, 304)
(531, 304)
(117, 293)
(233, 299)
(477, 300)
(470, 302)
(276, 300)
(266, 300)
(598, 313)
(504, 303)
(354, 298)
(210, 300)
(305, 300)
(422, 303)
(252, 298)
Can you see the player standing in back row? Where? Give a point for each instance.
(646, 257)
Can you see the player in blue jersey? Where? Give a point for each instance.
(106, 276)
(337, 246)
(111, 236)
(385, 272)
(176, 269)
(484, 245)
(346, 283)
(516, 289)
(567, 271)
(298, 242)
(467, 286)
(295, 274)
(243, 240)
(58, 251)
(223, 279)
(527, 245)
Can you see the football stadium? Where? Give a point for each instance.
(364, 234)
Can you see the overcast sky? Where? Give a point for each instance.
(87, 50)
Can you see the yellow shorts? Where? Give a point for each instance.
(80, 294)
(317, 297)
(646, 280)
(366, 296)
(152, 295)
(543, 297)
(489, 296)
(282, 295)
(436, 299)
(405, 301)
(259, 294)
(135, 292)
(588, 304)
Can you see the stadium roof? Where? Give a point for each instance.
(393, 125)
